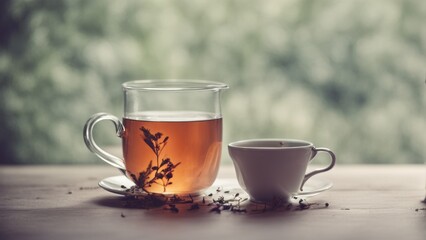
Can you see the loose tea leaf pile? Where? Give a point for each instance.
(218, 202)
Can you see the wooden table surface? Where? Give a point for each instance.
(64, 202)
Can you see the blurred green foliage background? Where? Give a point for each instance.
(348, 75)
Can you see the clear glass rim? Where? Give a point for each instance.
(173, 85)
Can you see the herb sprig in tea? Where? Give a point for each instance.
(162, 172)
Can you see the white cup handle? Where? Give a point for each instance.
(315, 151)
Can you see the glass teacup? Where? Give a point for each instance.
(171, 134)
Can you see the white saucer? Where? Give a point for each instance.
(119, 184)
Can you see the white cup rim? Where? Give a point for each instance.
(251, 144)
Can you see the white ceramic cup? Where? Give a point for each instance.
(274, 168)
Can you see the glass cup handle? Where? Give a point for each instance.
(315, 151)
(93, 147)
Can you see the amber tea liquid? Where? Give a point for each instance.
(172, 152)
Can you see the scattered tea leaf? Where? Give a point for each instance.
(172, 208)
(216, 209)
(88, 188)
(239, 210)
(194, 206)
